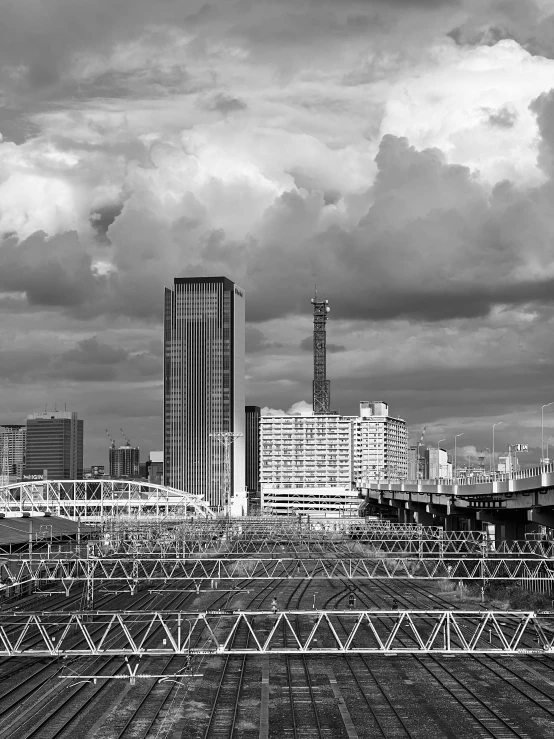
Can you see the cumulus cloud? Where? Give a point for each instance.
(300, 408)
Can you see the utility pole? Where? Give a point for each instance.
(321, 385)
(226, 439)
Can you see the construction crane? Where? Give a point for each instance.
(127, 440)
(110, 438)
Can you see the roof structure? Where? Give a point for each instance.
(16, 530)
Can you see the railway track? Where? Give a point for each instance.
(501, 720)
(65, 703)
(380, 695)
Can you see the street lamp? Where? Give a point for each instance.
(456, 456)
(492, 458)
(486, 449)
(438, 458)
(542, 429)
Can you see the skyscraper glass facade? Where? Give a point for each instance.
(252, 442)
(203, 384)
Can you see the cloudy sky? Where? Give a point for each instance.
(400, 153)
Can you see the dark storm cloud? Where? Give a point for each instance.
(256, 341)
(503, 118)
(91, 351)
(519, 20)
(543, 108)
(225, 104)
(51, 272)
(90, 360)
(433, 245)
(102, 219)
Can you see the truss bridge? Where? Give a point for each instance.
(95, 500)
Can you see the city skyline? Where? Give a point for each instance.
(397, 154)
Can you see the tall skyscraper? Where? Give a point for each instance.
(252, 444)
(54, 444)
(203, 385)
(14, 435)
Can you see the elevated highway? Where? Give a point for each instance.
(517, 504)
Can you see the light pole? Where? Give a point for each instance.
(438, 458)
(486, 449)
(542, 429)
(492, 458)
(456, 455)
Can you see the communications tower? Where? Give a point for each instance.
(321, 385)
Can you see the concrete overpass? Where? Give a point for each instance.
(517, 504)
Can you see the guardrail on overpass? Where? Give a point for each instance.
(489, 484)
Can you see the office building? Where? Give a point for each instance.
(437, 463)
(155, 468)
(13, 440)
(380, 443)
(252, 448)
(54, 446)
(204, 387)
(124, 462)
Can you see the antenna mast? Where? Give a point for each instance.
(321, 385)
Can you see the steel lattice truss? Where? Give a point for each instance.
(135, 570)
(92, 499)
(366, 544)
(287, 632)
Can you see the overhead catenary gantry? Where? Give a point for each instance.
(97, 633)
(203, 541)
(132, 571)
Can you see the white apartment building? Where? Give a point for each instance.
(380, 444)
(306, 462)
(13, 440)
(316, 462)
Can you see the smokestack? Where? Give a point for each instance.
(321, 385)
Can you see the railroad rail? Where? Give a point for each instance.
(155, 633)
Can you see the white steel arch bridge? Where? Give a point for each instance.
(97, 499)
